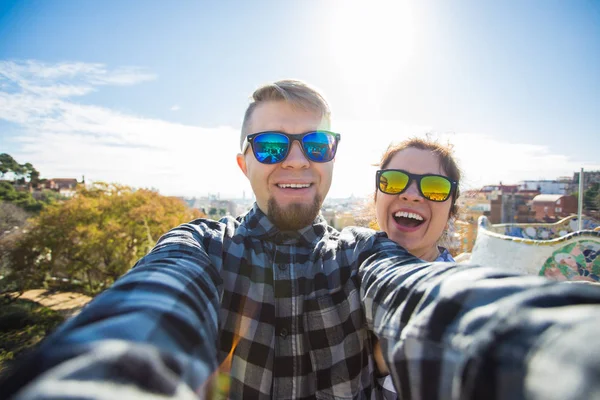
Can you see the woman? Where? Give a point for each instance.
(417, 188)
(415, 197)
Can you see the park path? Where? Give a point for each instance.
(67, 303)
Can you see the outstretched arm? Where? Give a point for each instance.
(462, 332)
(153, 332)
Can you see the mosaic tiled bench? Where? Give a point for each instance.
(557, 251)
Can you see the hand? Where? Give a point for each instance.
(378, 356)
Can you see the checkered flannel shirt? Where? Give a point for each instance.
(279, 312)
(288, 316)
(388, 390)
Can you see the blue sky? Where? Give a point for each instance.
(152, 93)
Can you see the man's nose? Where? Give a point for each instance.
(296, 157)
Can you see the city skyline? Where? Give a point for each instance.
(95, 89)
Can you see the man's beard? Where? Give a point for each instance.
(295, 216)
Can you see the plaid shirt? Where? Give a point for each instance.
(289, 315)
(387, 386)
(278, 312)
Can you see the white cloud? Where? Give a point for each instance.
(482, 159)
(63, 138)
(175, 107)
(65, 79)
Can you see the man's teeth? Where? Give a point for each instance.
(408, 215)
(293, 185)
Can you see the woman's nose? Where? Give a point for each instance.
(412, 193)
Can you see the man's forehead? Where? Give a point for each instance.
(281, 116)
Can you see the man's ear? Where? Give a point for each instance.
(241, 161)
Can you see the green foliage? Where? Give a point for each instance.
(51, 196)
(24, 174)
(94, 237)
(591, 198)
(216, 213)
(22, 199)
(8, 164)
(23, 324)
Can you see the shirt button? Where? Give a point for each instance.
(282, 267)
(283, 333)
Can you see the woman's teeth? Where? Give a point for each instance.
(408, 215)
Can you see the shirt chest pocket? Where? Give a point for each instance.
(338, 341)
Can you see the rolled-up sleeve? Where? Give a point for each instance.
(462, 332)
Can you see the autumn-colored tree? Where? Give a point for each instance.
(94, 237)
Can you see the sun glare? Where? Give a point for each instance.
(372, 41)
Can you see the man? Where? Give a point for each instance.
(270, 299)
(283, 306)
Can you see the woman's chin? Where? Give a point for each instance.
(408, 243)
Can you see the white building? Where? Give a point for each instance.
(545, 186)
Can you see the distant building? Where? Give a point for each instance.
(553, 206)
(61, 183)
(546, 186)
(472, 205)
(512, 206)
(343, 220)
(495, 190)
(218, 207)
(67, 187)
(338, 219)
(467, 233)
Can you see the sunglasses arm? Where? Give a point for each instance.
(245, 145)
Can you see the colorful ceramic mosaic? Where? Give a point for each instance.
(543, 231)
(577, 261)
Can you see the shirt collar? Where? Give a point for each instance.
(444, 255)
(258, 225)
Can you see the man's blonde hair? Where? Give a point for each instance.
(297, 93)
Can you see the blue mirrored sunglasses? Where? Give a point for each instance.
(273, 147)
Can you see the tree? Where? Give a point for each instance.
(29, 174)
(94, 237)
(12, 222)
(24, 174)
(590, 198)
(8, 164)
(25, 200)
(11, 217)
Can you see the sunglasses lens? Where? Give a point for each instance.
(392, 182)
(436, 188)
(270, 148)
(320, 146)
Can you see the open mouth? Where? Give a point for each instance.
(408, 219)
